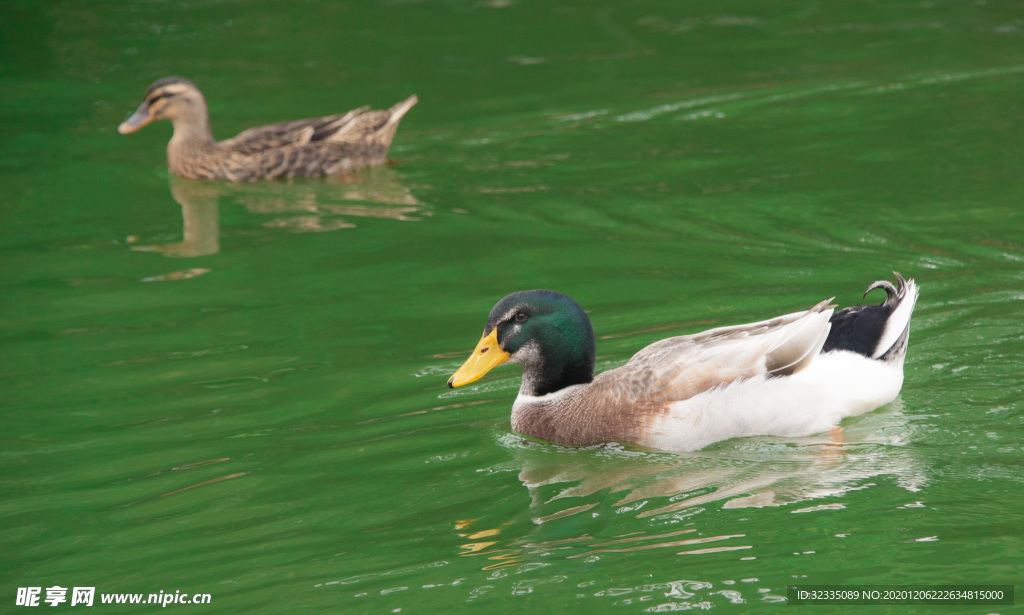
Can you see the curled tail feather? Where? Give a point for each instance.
(876, 331)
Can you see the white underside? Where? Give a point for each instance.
(836, 385)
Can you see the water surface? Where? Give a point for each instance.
(240, 390)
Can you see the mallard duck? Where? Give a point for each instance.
(791, 376)
(303, 148)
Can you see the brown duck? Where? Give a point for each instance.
(329, 145)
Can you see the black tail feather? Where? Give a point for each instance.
(863, 328)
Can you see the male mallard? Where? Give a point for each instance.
(304, 148)
(791, 376)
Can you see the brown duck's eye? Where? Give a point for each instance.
(520, 317)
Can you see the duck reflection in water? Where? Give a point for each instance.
(745, 472)
(300, 205)
(595, 486)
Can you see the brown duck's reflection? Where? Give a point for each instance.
(199, 202)
(298, 205)
(675, 489)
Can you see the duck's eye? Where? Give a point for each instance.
(520, 317)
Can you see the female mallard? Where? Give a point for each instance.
(304, 148)
(790, 376)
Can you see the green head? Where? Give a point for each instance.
(546, 332)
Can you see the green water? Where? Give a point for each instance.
(240, 390)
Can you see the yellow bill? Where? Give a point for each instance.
(486, 356)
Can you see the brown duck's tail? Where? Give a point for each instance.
(398, 111)
(383, 136)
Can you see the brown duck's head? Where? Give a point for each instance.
(170, 98)
(545, 332)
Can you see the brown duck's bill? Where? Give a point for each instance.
(486, 356)
(140, 118)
